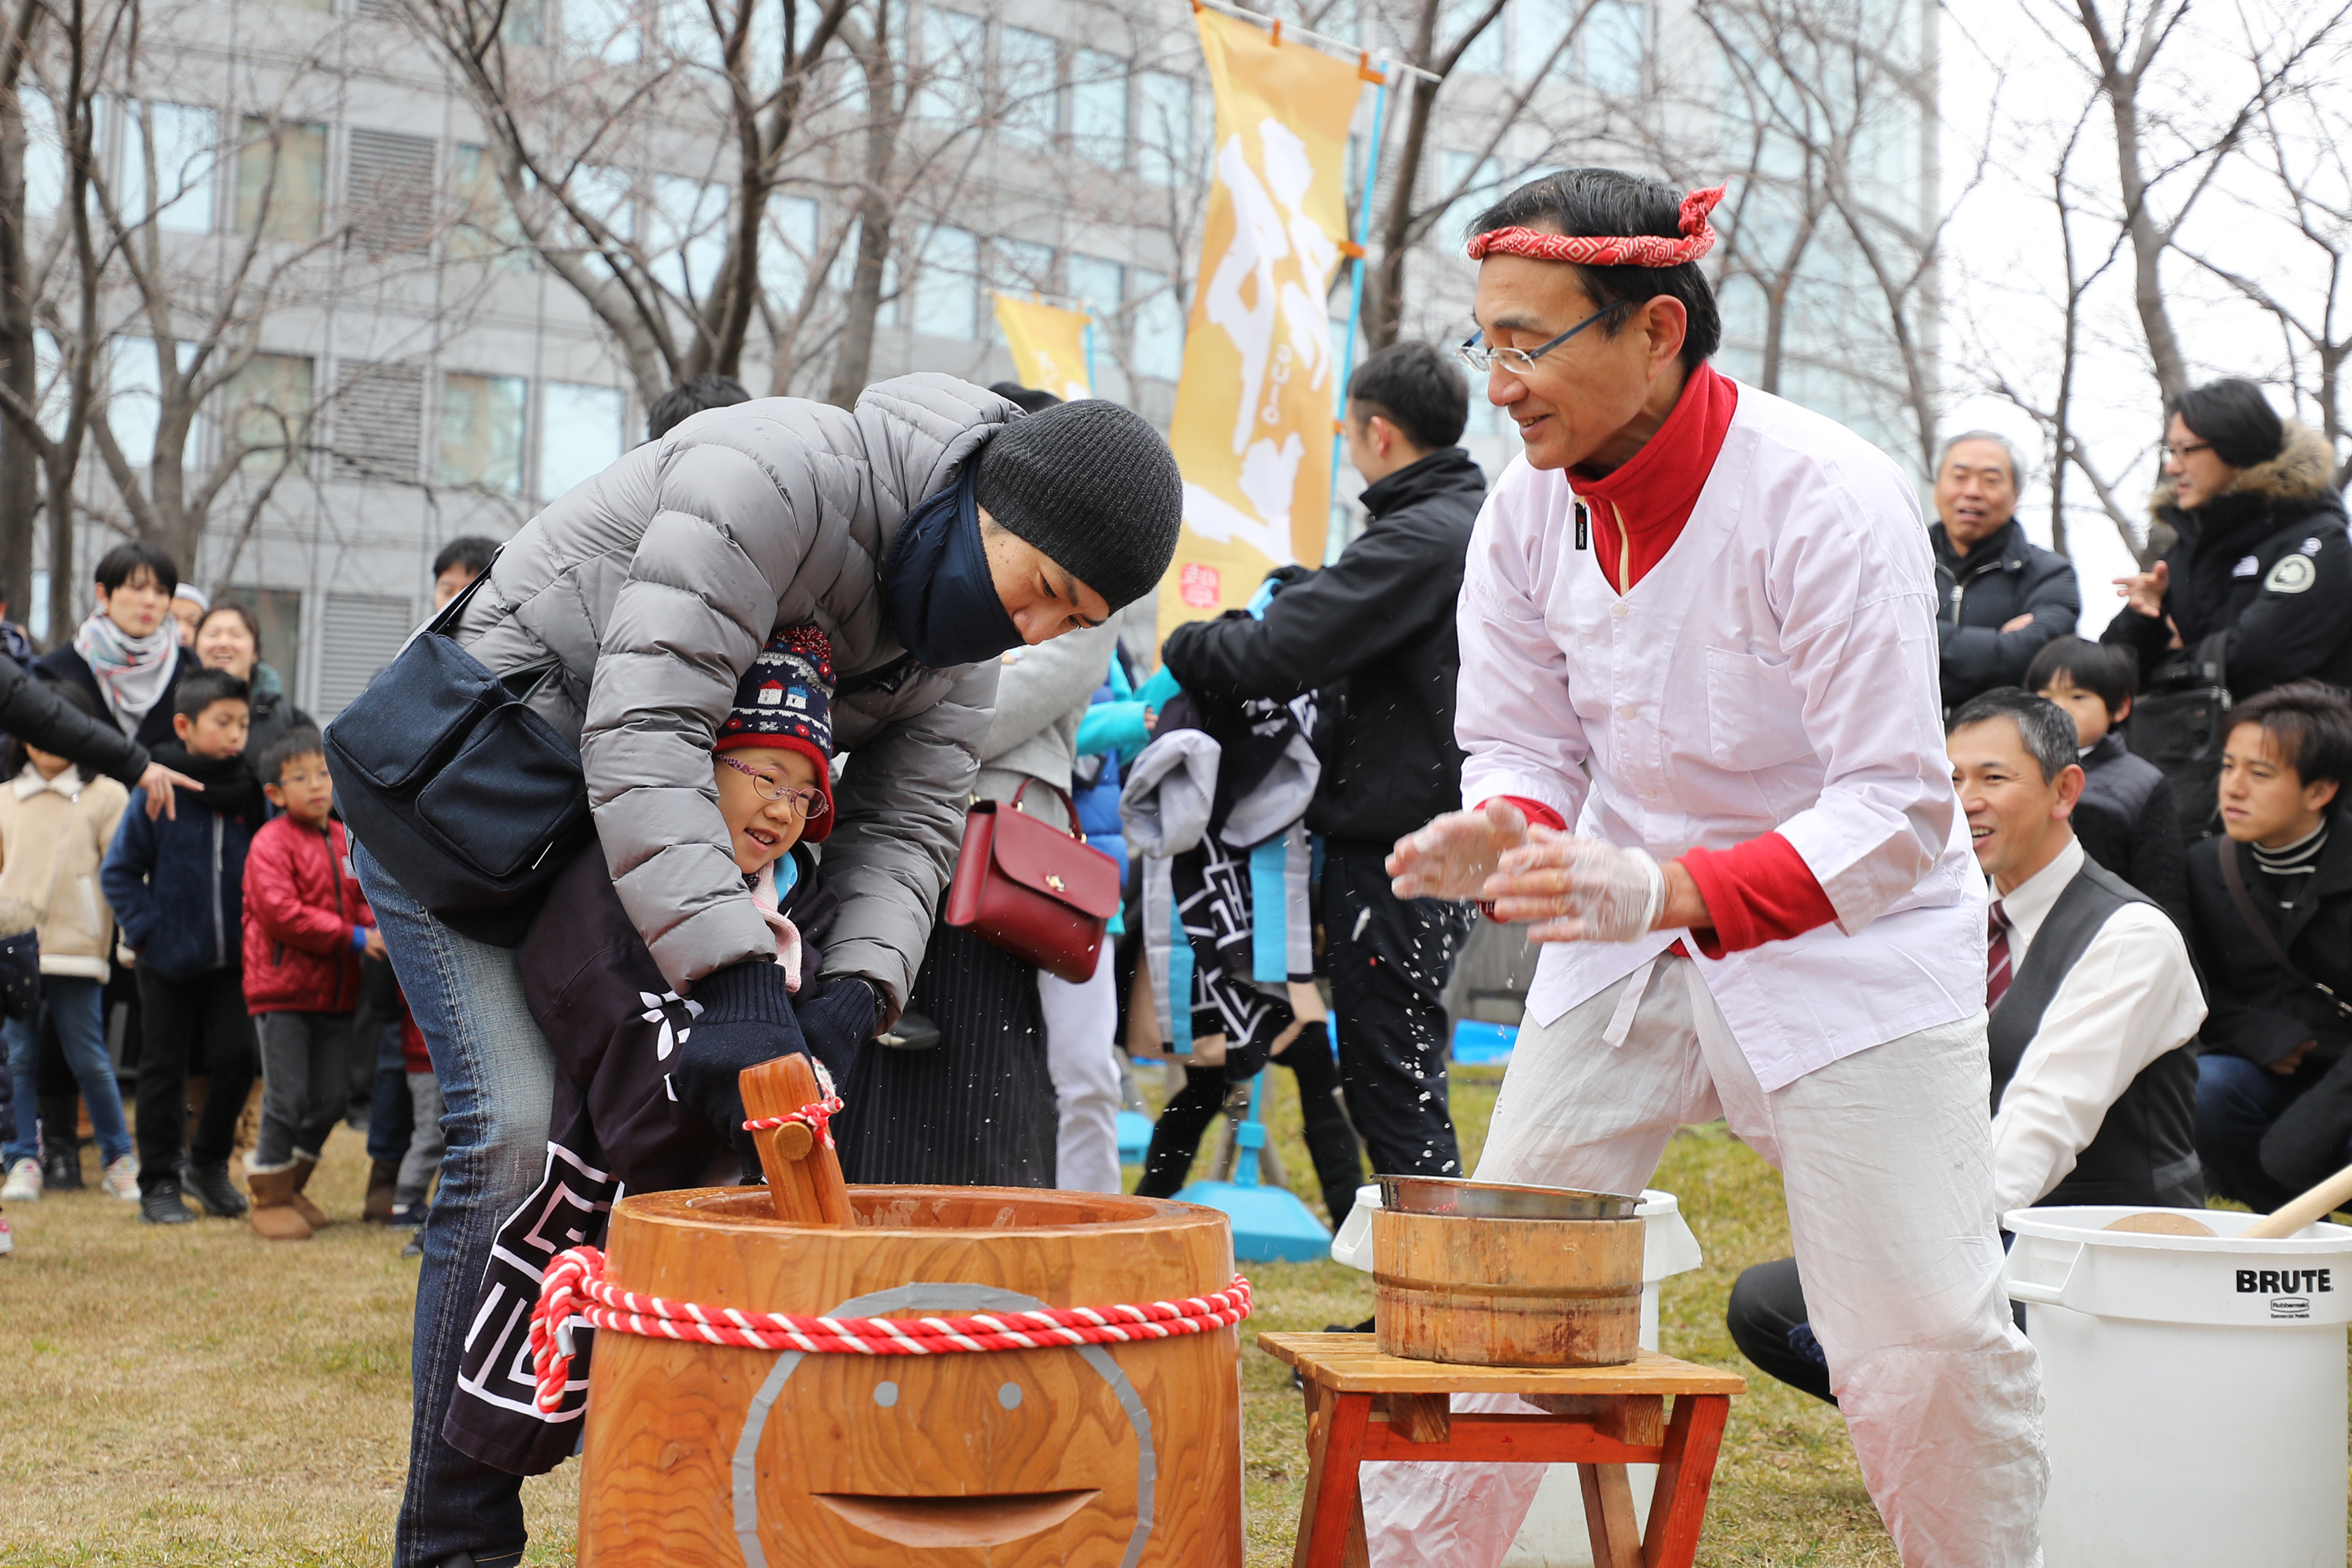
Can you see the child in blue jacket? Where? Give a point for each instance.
(176, 882)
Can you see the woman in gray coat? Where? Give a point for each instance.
(925, 532)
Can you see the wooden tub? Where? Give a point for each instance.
(1122, 1456)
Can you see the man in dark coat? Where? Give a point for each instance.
(2260, 553)
(1372, 634)
(2271, 908)
(2000, 596)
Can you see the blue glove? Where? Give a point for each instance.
(1113, 726)
(747, 1018)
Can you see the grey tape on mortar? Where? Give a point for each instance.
(937, 1296)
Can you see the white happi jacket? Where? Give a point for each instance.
(1776, 671)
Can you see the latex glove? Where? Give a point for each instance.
(1577, 889)
(837, 1019)
(747, 1018)
(1453, 856)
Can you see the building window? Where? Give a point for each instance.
(281, 180)
(269, 406)
(486, 226)
(1029, 76)
(1099, 106)
(388, 190)
(687, 232)
(603, 29)
(1485, 53)
(1164, 139)
(954, 67)
(187, 144)
(583, 430)
(45, 156)
(1097, 285)
(481, 432)
(1616, 42)
(790, 250)
(1158, 350)
(379, 422)
(947, 286)
(1543, 30)
(134, 401)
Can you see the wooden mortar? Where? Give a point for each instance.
(710, 1455)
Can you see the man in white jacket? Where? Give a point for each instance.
(1700, 705)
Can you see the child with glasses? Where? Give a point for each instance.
(647, 1100)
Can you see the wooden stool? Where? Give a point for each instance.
(1362, 1404)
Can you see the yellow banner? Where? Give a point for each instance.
(1253, 426)
(1049, 346)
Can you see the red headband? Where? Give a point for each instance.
(1593, 250)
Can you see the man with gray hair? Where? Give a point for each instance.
(2000, 596)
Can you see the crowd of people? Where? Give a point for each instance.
(792, 647)
(167, 829)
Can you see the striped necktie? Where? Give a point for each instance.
(1995, 957)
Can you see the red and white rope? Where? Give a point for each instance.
(573, 1288)
(1602, 250)
(816, 1116)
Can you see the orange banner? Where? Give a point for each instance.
(1252, 425)
(1048, 344)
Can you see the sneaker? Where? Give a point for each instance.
(415, 1248)
(7, 1241)
(24, 1184)
(62, 1172)
(406, 1215)
(212, 1189)
(121, 1179)
(161, 1205)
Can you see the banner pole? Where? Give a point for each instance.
(1356, 287)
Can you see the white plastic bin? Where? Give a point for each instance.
(2194, 1389)
(1554, 1535)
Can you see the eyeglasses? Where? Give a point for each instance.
(1520, 361)
(809, 803)
(2178, 453)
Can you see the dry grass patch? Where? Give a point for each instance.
(196, 1396)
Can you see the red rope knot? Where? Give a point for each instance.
(816, 1115)
(1601, 250)
(574, 1289)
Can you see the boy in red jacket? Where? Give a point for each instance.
(306, 926)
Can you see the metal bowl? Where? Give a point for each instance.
(1499, 1201)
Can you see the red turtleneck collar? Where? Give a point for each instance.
(1655, 492)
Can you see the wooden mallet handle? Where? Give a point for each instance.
(804, 1176)
(2294, 1214)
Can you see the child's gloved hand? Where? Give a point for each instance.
(747, 1018)
(837, 1019)
(1579, 890)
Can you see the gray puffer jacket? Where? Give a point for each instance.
(652, 586)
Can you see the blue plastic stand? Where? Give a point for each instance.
(1134, 1137)
(1484, 1044)
(1270, 1224)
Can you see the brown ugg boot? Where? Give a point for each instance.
(299, 1177)
(383, 1186)
(273, 1216)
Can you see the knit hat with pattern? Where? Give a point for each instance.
(1094, 487)
(786, 701)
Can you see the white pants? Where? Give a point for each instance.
(1886, 1159)
(1082, 1056)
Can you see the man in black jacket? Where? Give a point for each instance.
(2271, 908)
(1999, 595)
(1372, 634)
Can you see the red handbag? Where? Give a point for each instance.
(1042, 895)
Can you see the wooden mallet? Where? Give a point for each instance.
(2294, 1214)
(803, 1173)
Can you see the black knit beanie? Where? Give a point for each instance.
(1094, 487)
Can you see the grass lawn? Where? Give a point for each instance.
(193, 1396)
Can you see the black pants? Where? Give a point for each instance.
(1388, 958)
(172, 1011)
(1769, 1324)
(975, 1110)
(1331, 1141)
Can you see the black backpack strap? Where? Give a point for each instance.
(2234, 877)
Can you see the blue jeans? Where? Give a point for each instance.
(2237, 1101)
(497, 1080)
(81, 1031)
(392, 1123)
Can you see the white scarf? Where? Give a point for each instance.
(132, 672)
